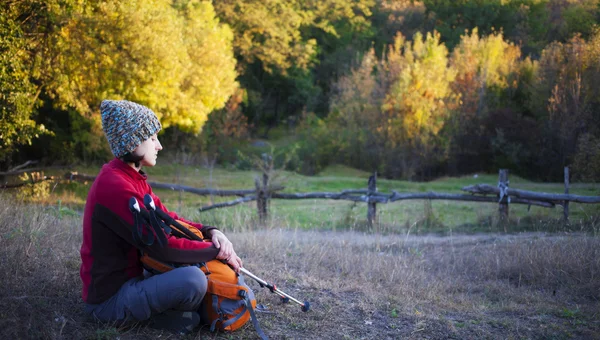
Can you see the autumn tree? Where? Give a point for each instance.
(387, 114)
(174, 57)
(487, 73)
(563, 98)
(419, 100)
(355, 116)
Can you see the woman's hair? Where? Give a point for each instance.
(132, 158)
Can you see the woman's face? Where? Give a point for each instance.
(148, 150)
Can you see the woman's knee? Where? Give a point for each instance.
(193, 279)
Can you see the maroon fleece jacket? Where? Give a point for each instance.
(108, 253)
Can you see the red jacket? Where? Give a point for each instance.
(108, 254)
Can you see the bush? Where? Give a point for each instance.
(586, 164)
(314, 148)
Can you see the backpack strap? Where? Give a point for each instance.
(138, 225)
(236, 318)
(248, 304)
(157, 224)
(215, 306)
(158, 229)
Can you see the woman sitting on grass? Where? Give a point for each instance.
(114, 287)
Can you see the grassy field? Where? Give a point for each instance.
(360, 286)
(438, 271)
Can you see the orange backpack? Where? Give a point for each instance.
(229, 303)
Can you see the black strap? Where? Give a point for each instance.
(170, 220)
(138, 231)
(138, 225)
(165, 220)
(158, 229)
(177, 233)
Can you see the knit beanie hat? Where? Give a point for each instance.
(127, 125)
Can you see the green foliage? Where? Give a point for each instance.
(581, 18)
(289, 51)
(313, 149)
(507, 153)
(227, 127)
(531, 23)
(355, 115)
(416, 111)
(568, 18)
(268, 31)
(334, 75)
(452, 18)
(225, 132)
(271, 31)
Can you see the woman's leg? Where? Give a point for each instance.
(180, 289)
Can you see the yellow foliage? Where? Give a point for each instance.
(482, 63)
(175, 58)
(491, 58)
(417, 102)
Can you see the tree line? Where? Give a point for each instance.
(412, 89)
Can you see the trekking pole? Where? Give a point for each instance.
(285, 297)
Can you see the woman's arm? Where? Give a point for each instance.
(220, 241)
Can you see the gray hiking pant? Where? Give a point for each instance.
(138, 299)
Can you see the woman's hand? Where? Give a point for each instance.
(235, 262)
(226, 251)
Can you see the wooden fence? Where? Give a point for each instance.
(264, 191)
(501, 194)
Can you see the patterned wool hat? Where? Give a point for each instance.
(127, 125)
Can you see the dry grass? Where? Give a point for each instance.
(361, 286)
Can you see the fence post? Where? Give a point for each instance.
(372, 206)
(262, 191)
(504, 199)
(566, 203)
(261, 200)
